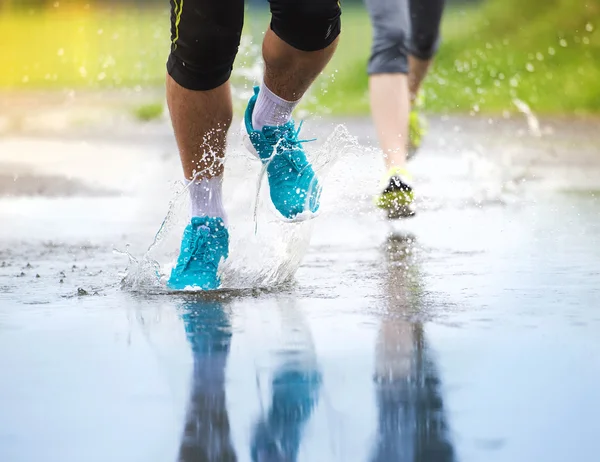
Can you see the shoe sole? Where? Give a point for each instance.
(397, 205)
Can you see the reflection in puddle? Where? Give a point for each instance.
(412, 425)
(277, 433)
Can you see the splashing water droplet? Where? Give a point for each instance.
(532, 121)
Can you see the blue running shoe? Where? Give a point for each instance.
(294, 188)
(205, 243)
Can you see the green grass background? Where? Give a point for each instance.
(546, 53)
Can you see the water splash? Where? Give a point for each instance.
(532, 121)
(265, 251)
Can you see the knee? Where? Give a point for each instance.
(308, 25)
(388, 53)
(387, 35)
(202, 50)
(424, 44)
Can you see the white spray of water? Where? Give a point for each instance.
(532, 121)
(265, 251)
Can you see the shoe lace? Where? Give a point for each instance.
(289, 135)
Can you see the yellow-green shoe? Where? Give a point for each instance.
(397, 197)
(417, 128)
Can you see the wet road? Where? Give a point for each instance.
(469, 333)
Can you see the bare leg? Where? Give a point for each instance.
(289, 72)
(200, 120)
(390, 108)
(418, 71)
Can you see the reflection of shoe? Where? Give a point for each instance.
(397, 199)
(205, 243)
(278, 437)
(293, 185)
(417, 128)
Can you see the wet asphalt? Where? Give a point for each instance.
(468, 333)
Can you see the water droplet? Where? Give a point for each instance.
(539, 56)
(586, 40)
(530, 67)
(551, 51)
(60, 52)
(563, 43)
(589, 27)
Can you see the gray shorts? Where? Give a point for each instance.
(402, 28)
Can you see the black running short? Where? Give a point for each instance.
(205, 35)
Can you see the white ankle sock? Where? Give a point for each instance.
(206, 198)
(270, 109)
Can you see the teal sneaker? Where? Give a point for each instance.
(294, 188)
(205, 243)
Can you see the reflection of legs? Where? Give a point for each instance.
(206, 435)
(277, 437)
(296, 386)
(412, 424)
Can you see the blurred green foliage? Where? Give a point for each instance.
(149, 111)
(546, 53)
